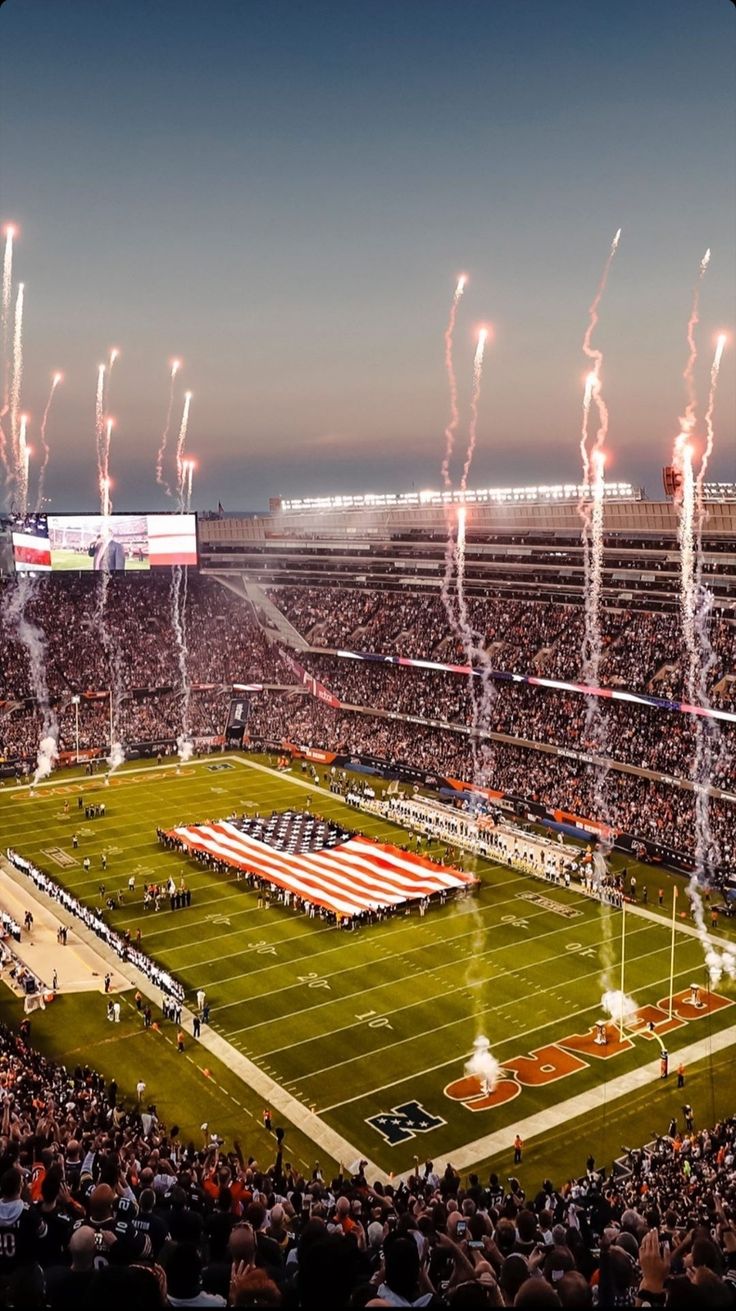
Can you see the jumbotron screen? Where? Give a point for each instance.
(116, 543)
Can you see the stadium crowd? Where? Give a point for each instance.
(224, 643)
(103, 1205)
(653, 739)
(640, 648)
(650, 810)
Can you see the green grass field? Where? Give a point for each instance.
(357, 1024)
(81, 561)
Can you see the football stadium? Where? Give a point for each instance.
(276, 910)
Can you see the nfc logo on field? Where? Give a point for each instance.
(403, 1122)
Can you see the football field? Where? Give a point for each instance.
(371, 1029)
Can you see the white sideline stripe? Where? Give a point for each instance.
(594, 1099)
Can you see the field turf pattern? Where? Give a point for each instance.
(355, 1024)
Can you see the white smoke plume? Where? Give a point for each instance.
(33, 640)
(618, 1005)
(484, 1065)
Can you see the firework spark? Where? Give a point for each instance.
(175, 367)
(56, 379)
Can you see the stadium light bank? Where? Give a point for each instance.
(560, 492)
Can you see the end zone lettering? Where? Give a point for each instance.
(568, 1055)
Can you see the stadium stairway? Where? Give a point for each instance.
(275, 623)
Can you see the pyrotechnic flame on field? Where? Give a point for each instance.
(454, 419)
(180, 448)
(5, 338)
(484, 1066)
(56, 379)
(175, 367)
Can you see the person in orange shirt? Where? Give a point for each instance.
(180, 1041)
(518, 1149)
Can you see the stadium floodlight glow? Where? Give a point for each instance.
(538, 495)
(719, 491)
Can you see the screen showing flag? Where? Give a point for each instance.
(96, 543)
(30, 543)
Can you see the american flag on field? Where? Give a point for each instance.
(348, 878)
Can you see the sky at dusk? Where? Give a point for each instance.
(283, 193)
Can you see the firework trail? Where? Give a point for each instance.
(709, 429)
(474, 400)
(33, 640)
(593, 354)
(113, 356)
(450, 431)
(454, 419)
(103, 431)
(56, 379)
(696, 603)
(16, 382)
(688, 419)
(178, 594)
(24, 462)
(7, 292)
(591, 513)
(457, 607)
(175, 366)
(180, 448)
(100, 420)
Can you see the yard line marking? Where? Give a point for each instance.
(499, 1011)
(391, 983)
(424, 946)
